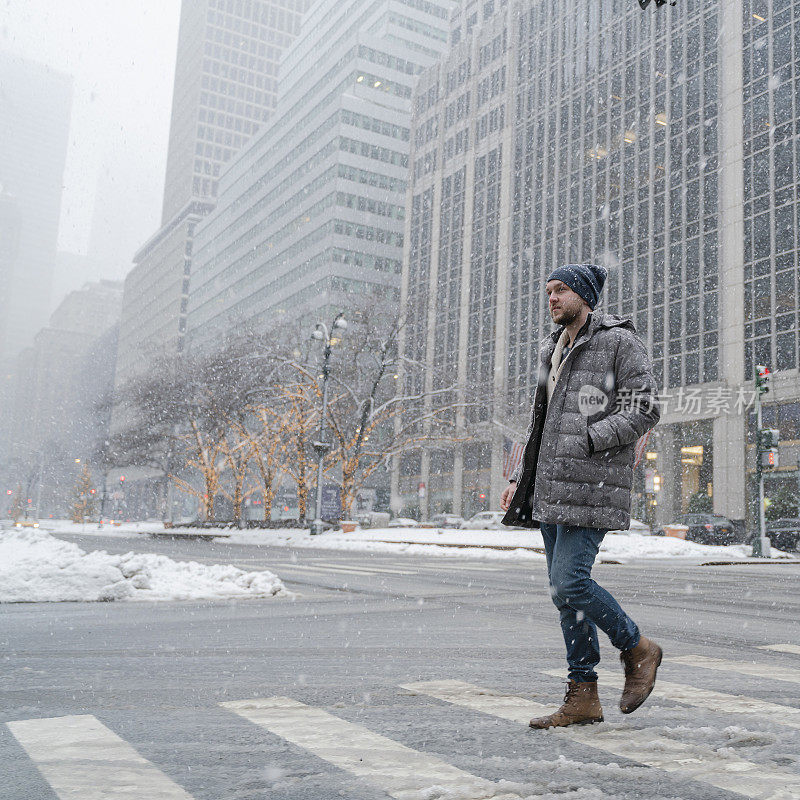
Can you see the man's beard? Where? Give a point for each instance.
(568, 316)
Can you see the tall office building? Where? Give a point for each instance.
(663, 144)
(225, 90)
(313, 210)
(35, 107)
(456, 246)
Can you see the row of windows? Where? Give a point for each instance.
(492, 50)
(392, 87)
(425, 164)
(458, 76)
(229, 121)
(366, 260)
(245, 41)
(417, 27)
(455, 144)
(490, 86)
(265, 14)
(457, 110)
(233, 106)
(495, 120)
(370, 206)
(388, 60)
(238, 89)
(220, 136)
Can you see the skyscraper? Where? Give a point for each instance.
(35, 107)
(225, 86)
(663, 144)
(313, 210)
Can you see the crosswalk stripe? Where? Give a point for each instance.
(331, 569)
(376, 568)
(81, 758)
(398, 770)
(705, 698)
(771, 673)
(643, 746)
(782, 648)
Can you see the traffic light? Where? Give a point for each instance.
(769, 458)
(768, 438)
(763, 379)
(121, 479)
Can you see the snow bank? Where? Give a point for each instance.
(622, 546)
(37, 567)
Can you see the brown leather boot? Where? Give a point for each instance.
(641, 664)
(581, 707)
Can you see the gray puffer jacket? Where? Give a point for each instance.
(577, 467)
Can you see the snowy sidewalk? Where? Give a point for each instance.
(491, 545)
(622, 547)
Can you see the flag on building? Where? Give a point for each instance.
(641, 444)
(512, 455)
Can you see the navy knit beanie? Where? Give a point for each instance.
(585, 280)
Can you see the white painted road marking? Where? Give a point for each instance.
(376, 568)
(782, 648)
(692, 762)
(398, 770)
(83, 760)
(771, 673)
(334, 569)
(705, 698)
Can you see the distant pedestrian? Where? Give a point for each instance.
(595, 396)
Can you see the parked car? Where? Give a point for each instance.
(403, 522)
(706, 529)
(447, 520)
(784, 533)
(491, 520)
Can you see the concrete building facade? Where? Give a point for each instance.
(312, 211)
(663, 144)
(225, 90)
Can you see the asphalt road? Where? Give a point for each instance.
(109, 681)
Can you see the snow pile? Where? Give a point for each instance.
(37, 567)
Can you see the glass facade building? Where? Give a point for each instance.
(313, 210)
(662, 144)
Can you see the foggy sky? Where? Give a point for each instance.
(121, 54)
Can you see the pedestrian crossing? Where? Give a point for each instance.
(315, 567)
(644, 746)
(80, 757)
(398, 770)
(782, 648)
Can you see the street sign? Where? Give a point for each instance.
(421, 490)
(649, 481)
(331, 505)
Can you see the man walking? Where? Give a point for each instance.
(595, 396)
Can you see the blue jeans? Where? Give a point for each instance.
(583, 605)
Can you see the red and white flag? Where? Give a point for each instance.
(641, 444)
(512, 455)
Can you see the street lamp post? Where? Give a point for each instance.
(321, 446)
(103, 498)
